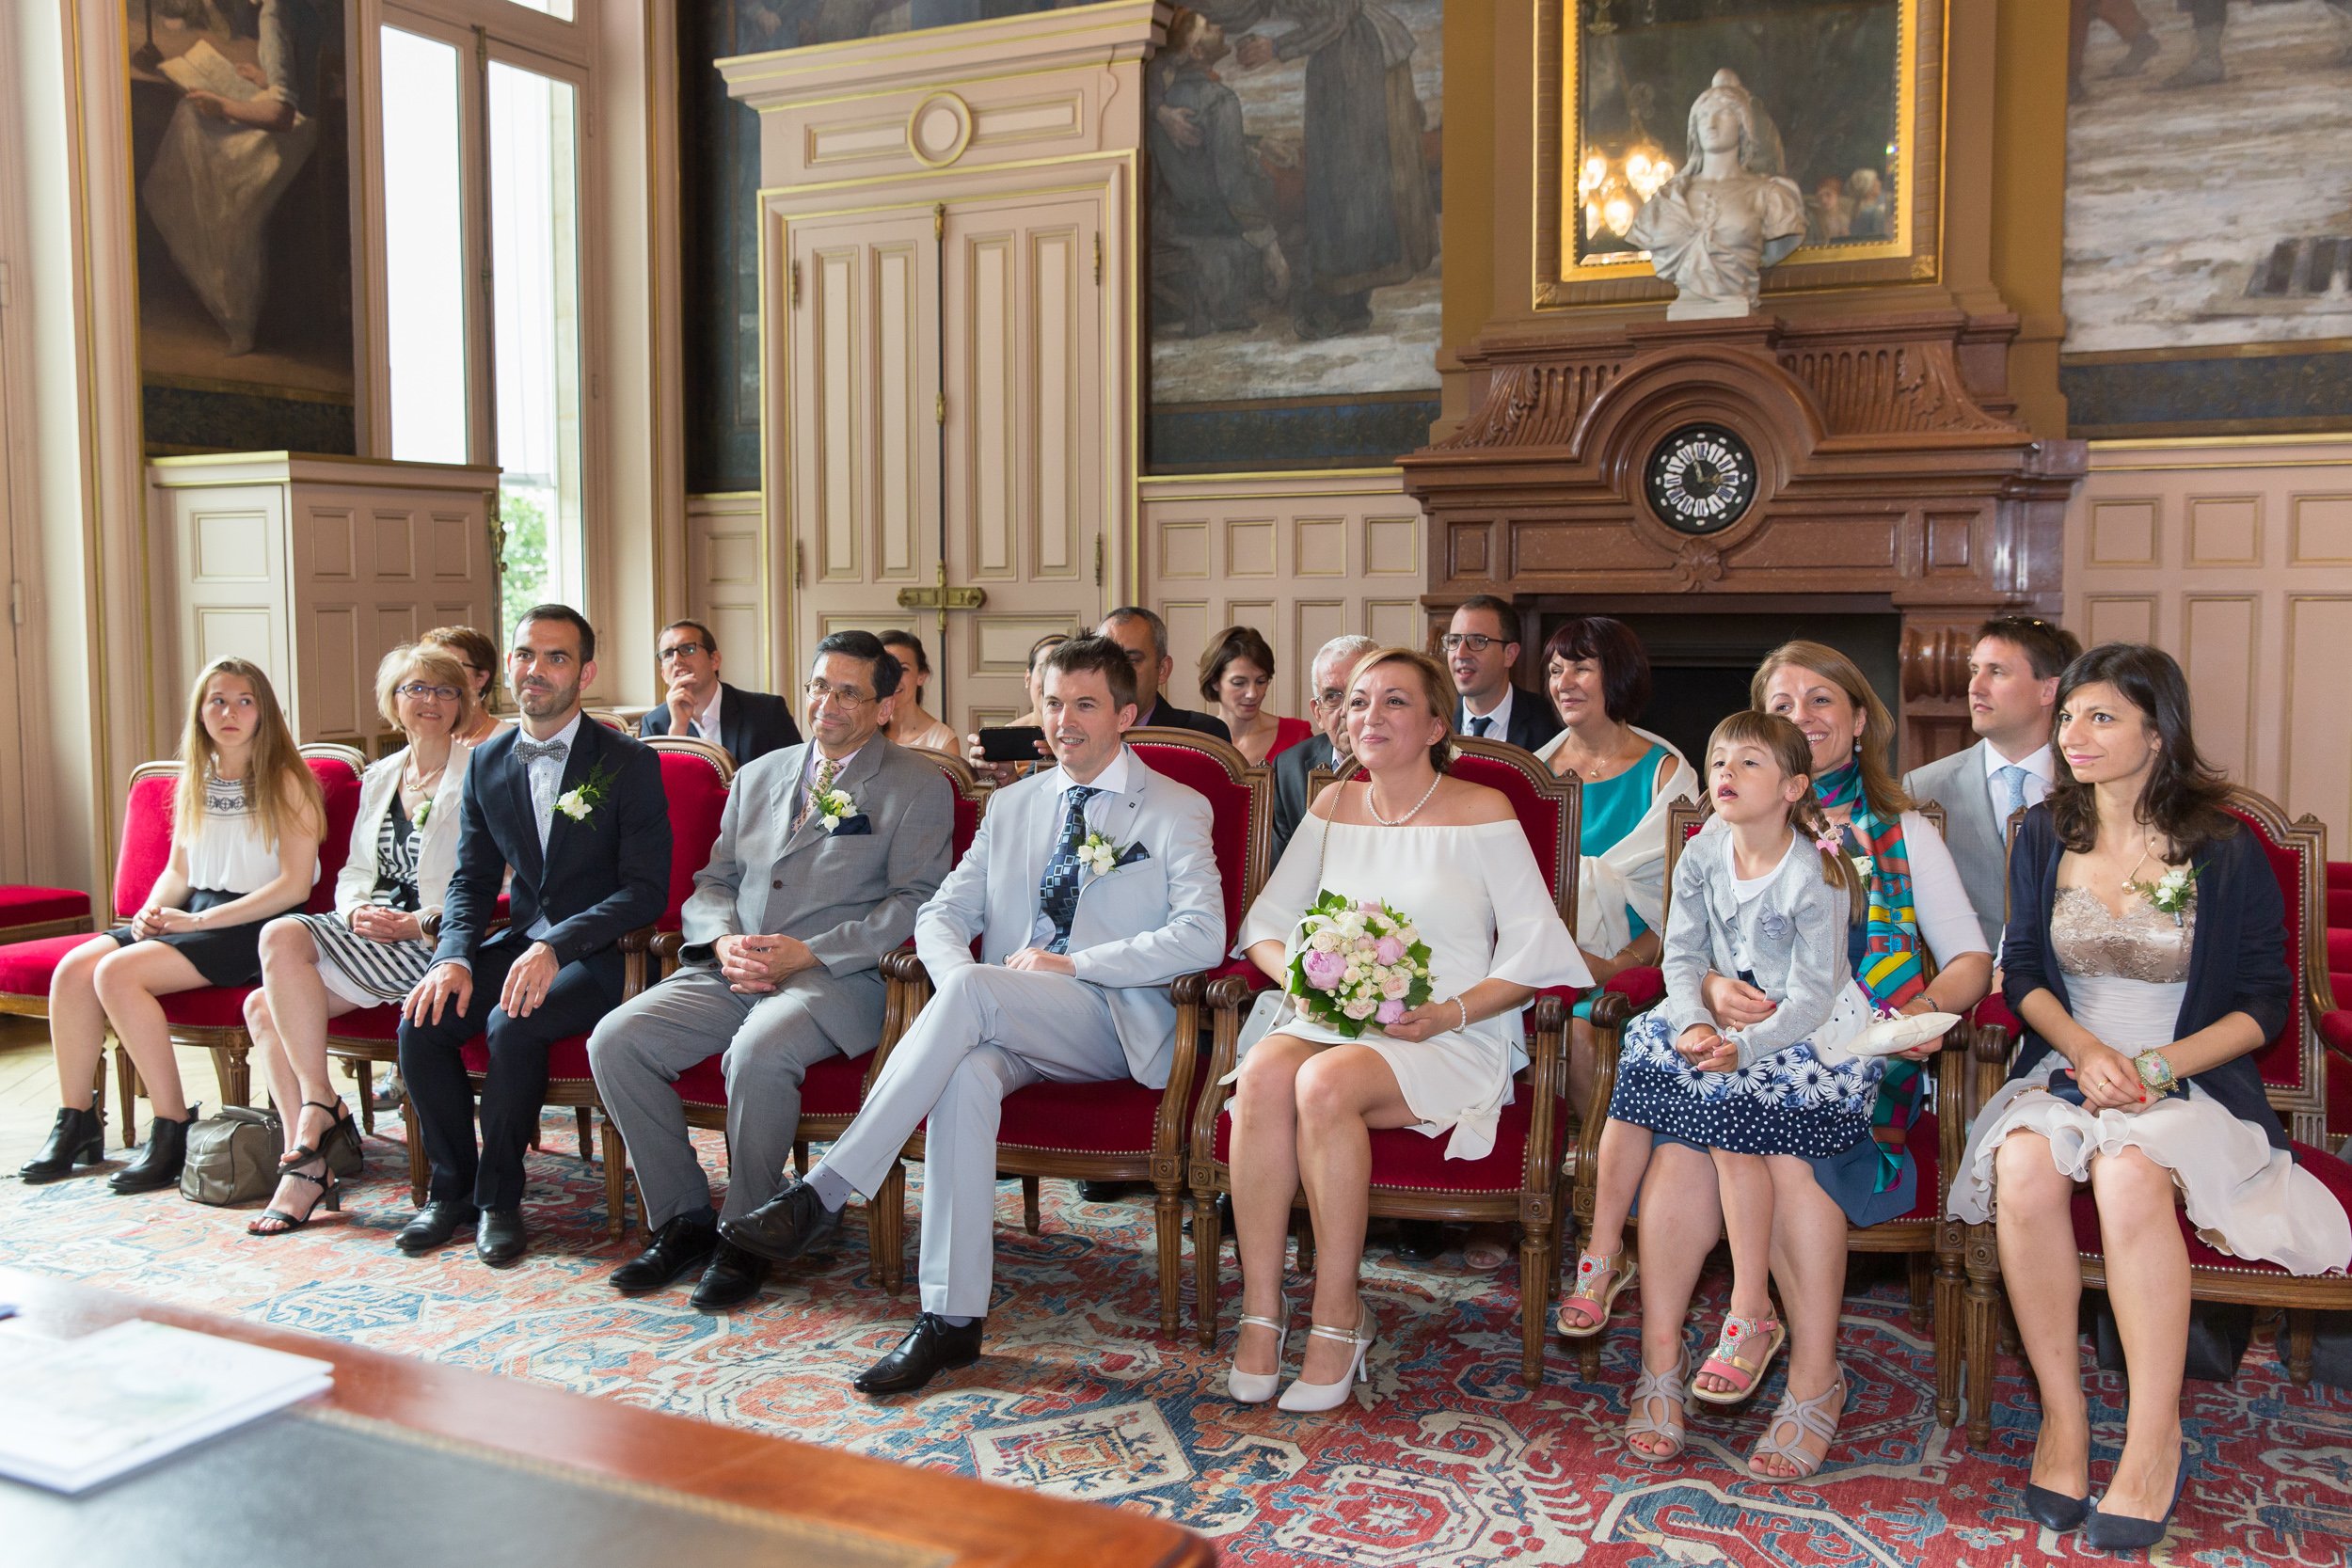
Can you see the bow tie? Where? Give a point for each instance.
(529, 751)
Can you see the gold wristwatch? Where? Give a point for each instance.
(2154, 1070)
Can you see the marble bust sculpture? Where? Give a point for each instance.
(1713, 228)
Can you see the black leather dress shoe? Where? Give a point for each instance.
(79, 1138)
(677, 1246)
(785, 1226)
(499, 1237)
(733, 1277)
(933, 1348)
(1419, 1241)
(435, 1224)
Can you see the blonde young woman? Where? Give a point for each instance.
(1450, 857)
(372, 950)
(247, 817)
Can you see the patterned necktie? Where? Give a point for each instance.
(2012, 782)
(825, 767)
(1479, 725)
(529, 751)
(1057, 894)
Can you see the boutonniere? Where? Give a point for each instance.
(834, 806)
(417, 817)
(2172, 894)
(1098, 854)
(1864, 866)
(586, 797)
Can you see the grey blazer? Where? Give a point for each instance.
(1136, 927)
(851, 895)
(1800, 953)
(1980, 844)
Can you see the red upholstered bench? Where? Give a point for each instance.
(28, 913)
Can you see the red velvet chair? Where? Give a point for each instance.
(28, 913)
(1121, 1130)
(833, 1090)
(1931, 1244)
(2294, 1065)
(213, 1016)
(1523, 1179)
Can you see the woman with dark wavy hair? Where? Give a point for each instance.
(2146, 954)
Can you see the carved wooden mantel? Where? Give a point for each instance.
(1892, 476)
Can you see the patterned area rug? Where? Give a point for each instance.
(1446, 1463)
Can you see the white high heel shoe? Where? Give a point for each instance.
(1305, 1396)
(1258, 1388)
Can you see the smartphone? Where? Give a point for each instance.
(1011, 743)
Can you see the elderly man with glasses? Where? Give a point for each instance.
(824, 854)
(750, 724)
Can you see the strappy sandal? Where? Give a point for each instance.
(1743, 1353)
(1665, 1388)
(330, 1197)
(302, 1154)
(1599, 1283)
(1807, 1417)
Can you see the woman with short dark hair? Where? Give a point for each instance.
(2146, 954)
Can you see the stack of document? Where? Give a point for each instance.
(77, 1412)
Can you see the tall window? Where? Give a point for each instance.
(482, 245)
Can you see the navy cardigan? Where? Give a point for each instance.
(2237, 964)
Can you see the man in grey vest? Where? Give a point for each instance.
(824, 854)
(2012, 688)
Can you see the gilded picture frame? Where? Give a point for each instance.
(1595, 56)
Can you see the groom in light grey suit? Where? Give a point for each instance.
(824, 854)
(1090, 887)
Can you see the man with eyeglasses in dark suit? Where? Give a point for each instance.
(750, 724)
(1482, 645)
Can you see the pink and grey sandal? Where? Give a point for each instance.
(1742, 1354)
(1584, 1311)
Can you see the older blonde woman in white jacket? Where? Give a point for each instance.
(374, 949)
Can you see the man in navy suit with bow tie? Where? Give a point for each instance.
(577, 810)
(1092, 886)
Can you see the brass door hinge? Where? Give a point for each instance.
(939, 220)
(939, 409)
(1097, 561)
(942, 598)
(796, 283)
(1098, 258)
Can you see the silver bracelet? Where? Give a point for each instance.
(1460, 1002)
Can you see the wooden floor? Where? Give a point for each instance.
(28, 1090)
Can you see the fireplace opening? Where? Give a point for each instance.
(1700, 662)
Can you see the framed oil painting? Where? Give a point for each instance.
(1849, 93)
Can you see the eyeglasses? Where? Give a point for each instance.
(420, 691)
(684, 650)
(1476, 641)
(1330, 696)
(847, 696)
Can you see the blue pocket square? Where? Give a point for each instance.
(1133, 852)
(850, 827)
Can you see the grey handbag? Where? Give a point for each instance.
(232, 1157)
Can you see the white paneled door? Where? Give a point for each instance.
(946, 454)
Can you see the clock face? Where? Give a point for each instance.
(1701, 479)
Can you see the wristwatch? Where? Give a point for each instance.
(2154, 1070)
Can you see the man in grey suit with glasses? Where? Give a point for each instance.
(824, 854)
(1089, 888)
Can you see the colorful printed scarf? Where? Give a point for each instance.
(1891, 967)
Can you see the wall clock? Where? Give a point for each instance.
(1701, 479)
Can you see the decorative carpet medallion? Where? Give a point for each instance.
(1443, 1459)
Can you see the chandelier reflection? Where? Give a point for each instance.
(1612, 192)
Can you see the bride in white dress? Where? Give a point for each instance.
(1452, 857)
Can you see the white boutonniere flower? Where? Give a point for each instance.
(834, 806)
(578, 802)
(1864, 866)
(1098, 854)
(2172, 894)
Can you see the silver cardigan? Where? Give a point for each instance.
(1798, 956)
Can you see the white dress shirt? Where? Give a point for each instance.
(1109, 782)
(1497, 722)
(2040, 773)
(707, 721)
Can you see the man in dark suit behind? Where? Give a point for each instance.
(750, 724)
(577, 810)
(1327, 747)
(1144, 635)
(1482, 646)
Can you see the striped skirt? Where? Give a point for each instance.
(365, 973)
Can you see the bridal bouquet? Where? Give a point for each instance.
(1357, 963)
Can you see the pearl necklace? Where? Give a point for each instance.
(1373, 806)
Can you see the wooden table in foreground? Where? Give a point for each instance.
(524, 1474)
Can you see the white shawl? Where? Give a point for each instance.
(1631, 871)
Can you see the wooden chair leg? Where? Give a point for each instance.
(1537, 1265)
(419, 1172)
(587, 1148)
(615, 1179)
(1169, 1225)
(800, 1158)
(233, 1072)
(98, 1095)
(127, 1080)
(1306, 1242)
(1949, 1339)
(1922, 1273)
(885, 1230)
(1208, 1252)
(363, 1075)
(1980, 1340)
(1030, 1217)
(2297, 1344)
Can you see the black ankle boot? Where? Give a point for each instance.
(159, 1163)
(79, 1138)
